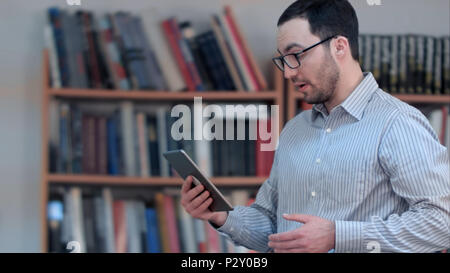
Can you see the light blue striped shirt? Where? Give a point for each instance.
(374, 166)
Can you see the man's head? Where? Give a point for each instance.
(307, 22)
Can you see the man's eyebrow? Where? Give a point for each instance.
(292, 45)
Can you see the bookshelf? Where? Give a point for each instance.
(294, 98)
(274, 96)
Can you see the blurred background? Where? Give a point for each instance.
(21, 47)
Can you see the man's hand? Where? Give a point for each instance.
(196, 202)
(316, 235)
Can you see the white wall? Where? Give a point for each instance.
(21, 43)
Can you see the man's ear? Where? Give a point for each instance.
(340, 46)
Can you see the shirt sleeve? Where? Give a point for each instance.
(251, 226)
(418, 168)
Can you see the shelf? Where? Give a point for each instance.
(438, 99)
(162, 95)
(147, 181)
(424, 98)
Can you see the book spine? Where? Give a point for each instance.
(152, 66)
(187, 55)
(411, 64)
(420, 74)
(243, 73)
(54, 18)
(429, 59)
(262, 84)
(176, 50)
(376, 58)
(385, 58)
(102, 146)
(437, 71)
(225, 49)
(393, 83)
(446, 65)
(55, 78)
(241, 50)
(403, 64)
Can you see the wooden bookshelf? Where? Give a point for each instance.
(106, 180)
(274, 96)
(294, 97)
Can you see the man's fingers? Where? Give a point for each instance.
(187, 184)
(302, 218)
(194, 204)
(203, 207)
(291, 250)
(285, 244)
(192, 193)
(285, 236)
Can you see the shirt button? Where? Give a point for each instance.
(318, 160)
(231, 229)
(329, 130)
(313, 194)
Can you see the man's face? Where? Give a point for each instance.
(318, 73)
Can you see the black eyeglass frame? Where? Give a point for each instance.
(297, 54)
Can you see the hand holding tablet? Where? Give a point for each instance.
(185, 167)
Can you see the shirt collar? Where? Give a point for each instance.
(356, 102)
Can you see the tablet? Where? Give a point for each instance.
(185, 166)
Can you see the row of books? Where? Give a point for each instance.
(101, 221)
(130, 139)
(122, 52)
(409, 64)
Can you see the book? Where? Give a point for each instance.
(142, 141)
(152, 67)
(55, 78)
(189, 35)
(166, 60)
(170, 217)
(394, 69)
(162, 223)
(376, 66)
(128, 143)
(186, 229)
(168, 27)
(153, 239)
(236, 53)
(132, 51)
(55, 214)
(429, 60)
(120, 226)
(226, 51)
(446, 65)
(437, 70)
(112, 53)
(411, 74)
(260, 80)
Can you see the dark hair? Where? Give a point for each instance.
(326, 18)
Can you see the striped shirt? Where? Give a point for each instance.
(373, 165)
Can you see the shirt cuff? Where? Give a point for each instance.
(233, 224)
(349, 237)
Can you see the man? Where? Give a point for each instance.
(361, 171)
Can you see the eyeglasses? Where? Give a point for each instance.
(293, 59)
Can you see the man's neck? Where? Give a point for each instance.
(348, 82)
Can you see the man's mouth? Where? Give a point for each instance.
(301, 86)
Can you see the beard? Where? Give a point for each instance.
(329, 72)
